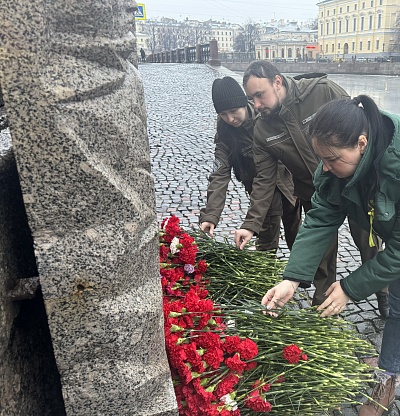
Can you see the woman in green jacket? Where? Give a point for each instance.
(359, 177)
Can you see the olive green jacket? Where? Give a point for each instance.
(284, 136)
(222, 173)
(336, 198)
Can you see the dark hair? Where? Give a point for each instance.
(261, 69)
(339, 123)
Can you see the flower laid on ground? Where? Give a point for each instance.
(206, 363)
(229, 358)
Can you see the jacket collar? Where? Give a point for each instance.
(298, 89)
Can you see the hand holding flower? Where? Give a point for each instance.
(279, 295)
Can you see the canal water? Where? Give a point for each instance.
(385, 90)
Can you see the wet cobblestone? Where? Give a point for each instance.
(181, 126)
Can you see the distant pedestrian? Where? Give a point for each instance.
(358, 177)
(143, 54)
(234, 151)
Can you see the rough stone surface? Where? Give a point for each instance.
(29, 380)
(77, 118)
(181, 122)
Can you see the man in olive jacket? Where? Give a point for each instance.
(234, 151)
(287, 105)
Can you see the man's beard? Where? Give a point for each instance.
(270, 112)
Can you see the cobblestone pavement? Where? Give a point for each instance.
(181, 125)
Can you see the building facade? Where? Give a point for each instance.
(165, 34)
(288, 41)
(358, 29)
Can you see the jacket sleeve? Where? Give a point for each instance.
(378, 272)
(217, 186)
(320, 227)
(284, 182)
(264, 185)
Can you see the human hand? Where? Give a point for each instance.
(207, 227)
(279, 295)
(242, 237)
(335, 302)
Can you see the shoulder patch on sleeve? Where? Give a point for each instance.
(216, 165)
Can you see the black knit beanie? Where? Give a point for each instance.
(227, 94)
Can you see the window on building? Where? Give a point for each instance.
(355, 7)
(328, 13)
(380, 2)
(348, 9)
(327, 28)
(338, 46)
(353, 46)
(340, 10)
(363, 5)
(326, 48)
(370, 22)
(217, 33)
(362, 23)
(360, 46)
(333, 48)
(369, 45)
(372, 3)
(377, 45)
(334, 11)
(333, 27)
(355, 24)
(322, 29)
(289, 53)
(322, 14)
(340, 26)
(379, 21)
(347, 25)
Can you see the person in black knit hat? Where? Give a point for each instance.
(234, 150)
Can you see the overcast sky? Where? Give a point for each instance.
(233, 11)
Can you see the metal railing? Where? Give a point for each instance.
(188, 54)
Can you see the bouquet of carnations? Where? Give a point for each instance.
(227, 357)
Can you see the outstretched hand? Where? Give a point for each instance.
(242, 237)
(280, 294)
(335, 302)
(207, 227)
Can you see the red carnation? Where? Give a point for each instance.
(236, 364)
(250, 365)
(258, 404)
(202, 266)
(231, 344)
(208, 339)
(248, 349)
(213, 357)
(292, 354)
(226, 385)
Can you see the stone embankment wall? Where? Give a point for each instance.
(356, 68)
